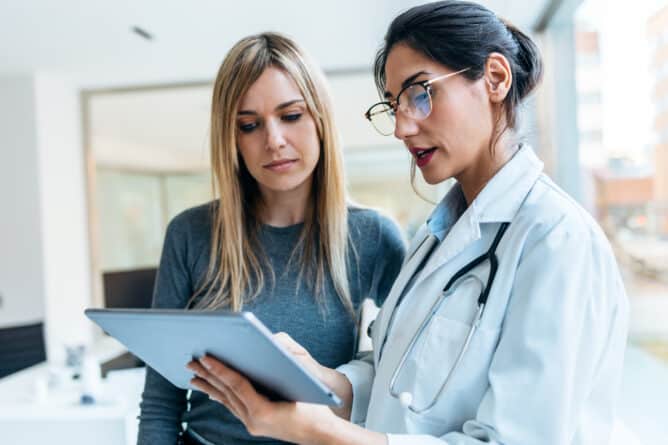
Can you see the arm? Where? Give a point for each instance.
(162, 403)
(300, 423)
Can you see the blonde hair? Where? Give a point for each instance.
(235, 275)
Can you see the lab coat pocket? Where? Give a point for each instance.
(437, 353)
(436, 357)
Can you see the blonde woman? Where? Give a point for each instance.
(280, 240)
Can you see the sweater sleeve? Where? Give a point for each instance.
(162, 403)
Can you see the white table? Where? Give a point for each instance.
(30, 418)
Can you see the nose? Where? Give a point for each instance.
(404, 126)
(275, 136)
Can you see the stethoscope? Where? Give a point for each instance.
(405, 397)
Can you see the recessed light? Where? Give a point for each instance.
(142, 33)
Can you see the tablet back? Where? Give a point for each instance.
(168, 339)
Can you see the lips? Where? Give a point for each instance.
(280, 164)
(422, 155)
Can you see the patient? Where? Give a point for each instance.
(280, 239)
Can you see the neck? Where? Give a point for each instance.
(483, 169)
(284, 208)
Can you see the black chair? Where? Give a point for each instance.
(127, 289)
(21, 347)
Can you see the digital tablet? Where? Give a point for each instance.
(168, 339)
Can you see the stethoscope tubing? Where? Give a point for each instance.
(405, 397)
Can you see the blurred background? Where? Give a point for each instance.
(104, 111)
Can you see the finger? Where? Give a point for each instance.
(210, 390)
(210, 377)
(289, 343)
(236, 384)
(215, 388)
(216, 395)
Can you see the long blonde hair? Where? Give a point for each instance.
(234, 275)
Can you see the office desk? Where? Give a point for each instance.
(58, 417)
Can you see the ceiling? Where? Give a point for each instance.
(93, 39)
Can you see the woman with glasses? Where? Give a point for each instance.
(281, 240)
(507, 323)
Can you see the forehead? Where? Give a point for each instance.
(273, 87)
(403, 62)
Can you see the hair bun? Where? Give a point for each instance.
(529, 59)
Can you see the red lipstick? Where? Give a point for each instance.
(422, 155)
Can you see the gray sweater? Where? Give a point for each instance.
(325, 329)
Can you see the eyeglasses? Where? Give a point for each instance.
(416, 105)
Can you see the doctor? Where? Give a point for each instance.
(508, 321)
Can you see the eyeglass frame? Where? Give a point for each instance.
(394, 104)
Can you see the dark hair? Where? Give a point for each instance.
(462, 34)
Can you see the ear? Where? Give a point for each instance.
(498, 77)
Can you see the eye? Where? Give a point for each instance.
(292, 117)
(247, 127)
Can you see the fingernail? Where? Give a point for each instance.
(205, 362)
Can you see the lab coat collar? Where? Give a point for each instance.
(498, 202)
(503, 195)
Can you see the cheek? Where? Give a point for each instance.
(460, 119)
(309, 140)
(248, 150)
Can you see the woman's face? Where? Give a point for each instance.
(276, 135)
(453, 138)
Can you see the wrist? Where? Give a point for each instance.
(329, 376)
(321, 432)
(341, 386)
(335, 431)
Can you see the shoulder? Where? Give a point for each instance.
(552, 218)
(375, 237)
(372, 224)
(194, 222)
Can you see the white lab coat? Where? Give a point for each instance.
(545, 365)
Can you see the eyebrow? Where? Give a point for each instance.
(405, 83)
(279, 107)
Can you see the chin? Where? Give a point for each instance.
(432, 180)
(285, 184)
(434, 177)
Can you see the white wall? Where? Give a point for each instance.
(44, 261)
(67, 278)
(21, 252)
